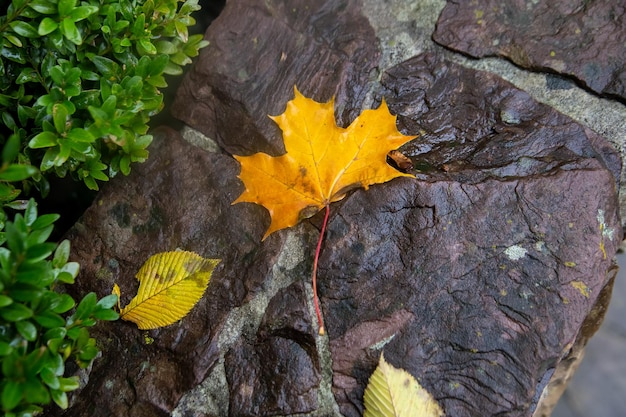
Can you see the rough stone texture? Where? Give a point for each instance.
(582, 39)
(258, 53)
(477, 277)
(404, 30)
(487, 281)
(181, 198)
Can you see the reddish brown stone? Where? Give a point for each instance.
(479, 274)
(180, 198)
(259, 51)
(581, 39)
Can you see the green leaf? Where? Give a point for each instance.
(49, 320)
(88, 353)
(25, 76)
(158, 64)
(60, 398)
(43, 6)
(35, 391)
(69, 384)
(39, 252)
(86, 306)
(5, 349)
(47, 162)
(56, 344)
(65, 7)
(9, 121)
(63, 304)
(181, 29)
(107, 302)
(14, 54)
(13, 39)
(82, 12)
(166, 47)
(50, 379)
(43, 140)
(180, 59)
(91, 183)
(70, 31)
(11, 149)
(59, 116)
(5, 300)
(15, 172)
(46, 26)
(27, 330)
(62, 254)
(39, 236)
(139, 26)
(173, 69)
(45, 220)
(16, 312)
(125, 165)
(157, 81)
(80, 135)
(11, 395)
(65, 278)
(24, 29)
(56, 333)
(146, 47)
(107, 315)
(30, 213)
(56, 364)
(71, 268)
(106, 66)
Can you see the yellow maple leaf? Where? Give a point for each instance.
(170, 284)
(393, 392)
(323, 161)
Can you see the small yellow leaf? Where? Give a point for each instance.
(116, 291)
(170, 284)
(393, 392)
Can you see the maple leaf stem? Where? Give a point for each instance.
(317, 255)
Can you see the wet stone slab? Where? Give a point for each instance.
(580, 39)
(472, 276)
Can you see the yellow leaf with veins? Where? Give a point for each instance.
(323, 161)
(393, 392)
(170, 285)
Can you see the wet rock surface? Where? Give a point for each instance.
(470, 251)
(477, 277)
(579, 39)
(257, 55)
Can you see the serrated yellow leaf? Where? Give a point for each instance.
(170, 284)
(393, 392)
(323, 161)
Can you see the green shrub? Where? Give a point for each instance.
(37, 334)
(79, 81)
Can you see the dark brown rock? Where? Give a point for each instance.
(581, 39)
(180, 198)
(259, 51)
(278, 371)
(480, 274)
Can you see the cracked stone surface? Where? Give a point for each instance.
(479, 276)
(581, 39)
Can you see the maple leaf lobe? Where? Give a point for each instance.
(322, 161)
